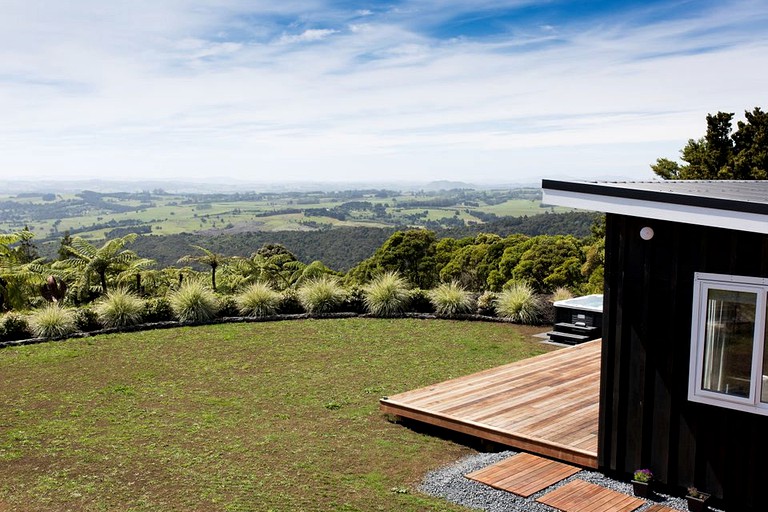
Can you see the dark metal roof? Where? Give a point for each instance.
(740, 196)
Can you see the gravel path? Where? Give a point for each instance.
(449, 483)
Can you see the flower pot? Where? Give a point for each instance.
(642, 489)
(698, 504)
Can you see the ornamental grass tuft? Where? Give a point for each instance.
(451, 299)
(258, 300)
(321, 295)
(519, 303)
(52, 321)
(561, 293)
(194, 302)
(387, 295)
(119, 308)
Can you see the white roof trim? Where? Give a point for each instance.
(728, 219)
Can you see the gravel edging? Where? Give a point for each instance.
(450, 484)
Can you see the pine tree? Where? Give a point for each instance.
(723, 154)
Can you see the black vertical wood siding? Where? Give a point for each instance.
(645, 417)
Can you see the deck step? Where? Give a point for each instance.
(578, 495)
(567, 337)
(567, 327)
(523, 474)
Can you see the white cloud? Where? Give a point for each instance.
(308, 36)
(199, 88)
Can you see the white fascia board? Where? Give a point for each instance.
(727, 219)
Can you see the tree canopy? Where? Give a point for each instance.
(208, 258)
(488, 261)
(481, 262)
(87, 260)
(723, 154)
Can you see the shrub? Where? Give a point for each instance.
(194, 302)
(86, 319)
(52, 321)
(119, 308)
(227, 306)
(258, 300)
(486, 303)
(289, 303)
(15, 327)
(387, 295)
(643, 475)
(355, 300)
(321, 295)
(451, 299)
(419, 301)
(157, 309)
(561, 293)
(519, 303)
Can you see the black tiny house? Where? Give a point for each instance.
(684, 372)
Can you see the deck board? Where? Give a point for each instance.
(546, 404)
(523, 474)
(581, 496)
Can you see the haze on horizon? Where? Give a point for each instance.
(411, 90)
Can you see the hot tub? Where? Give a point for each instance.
(578, 319)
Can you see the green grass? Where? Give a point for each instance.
(269, 416)
(518, 207)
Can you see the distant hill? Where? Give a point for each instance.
(449, 185)
(343, 248)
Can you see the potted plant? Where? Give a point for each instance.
(641, 482)
(697, 500)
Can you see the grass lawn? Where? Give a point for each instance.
(259, 416)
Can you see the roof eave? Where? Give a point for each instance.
(649, 209)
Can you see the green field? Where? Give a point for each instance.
(93, 216)
(259, 416)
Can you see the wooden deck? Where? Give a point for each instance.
(546, 405)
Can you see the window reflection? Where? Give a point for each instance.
(728, 343)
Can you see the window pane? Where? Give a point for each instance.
(728, 343)
(764, 388)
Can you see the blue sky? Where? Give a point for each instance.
(419, 90)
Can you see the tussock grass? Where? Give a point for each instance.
(561, 293)
(52, 321)
(119, 308)
(519, 303)
(321, 295)
(387, 295)
(451, 299)
(258, 300)
(276, 416)
(194, 302)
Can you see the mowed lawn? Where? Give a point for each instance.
(257, 416)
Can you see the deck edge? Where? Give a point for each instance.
(551, 449)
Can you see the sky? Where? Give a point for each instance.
(482, 91)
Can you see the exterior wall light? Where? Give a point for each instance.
(646, 233)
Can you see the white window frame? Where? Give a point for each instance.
(696, 393)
